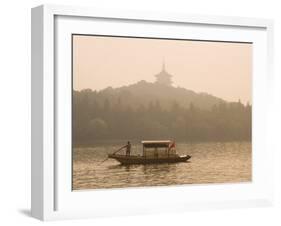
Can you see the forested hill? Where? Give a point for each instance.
(145, 93)
(154, 111)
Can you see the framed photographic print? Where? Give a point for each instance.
(138, 113)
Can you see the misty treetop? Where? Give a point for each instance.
(144, 111)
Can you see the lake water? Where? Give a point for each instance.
(211, 162)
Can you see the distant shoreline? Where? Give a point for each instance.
(116, 142)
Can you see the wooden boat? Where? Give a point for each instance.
(154, 152)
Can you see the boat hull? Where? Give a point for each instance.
(129, 160)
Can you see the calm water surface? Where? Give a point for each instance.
(210, 163)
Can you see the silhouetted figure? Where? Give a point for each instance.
(128, 148)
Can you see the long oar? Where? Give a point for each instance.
(112, 154)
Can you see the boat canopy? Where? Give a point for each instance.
(156, 143)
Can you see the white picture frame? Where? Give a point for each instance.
(52, 197)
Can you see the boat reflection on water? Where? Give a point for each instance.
(146, 168)
(148, 173)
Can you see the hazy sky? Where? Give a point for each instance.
(221, 69)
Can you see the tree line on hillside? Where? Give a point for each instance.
(95, 120)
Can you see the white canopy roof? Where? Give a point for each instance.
(155, 141)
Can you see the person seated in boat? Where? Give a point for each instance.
(128, 148)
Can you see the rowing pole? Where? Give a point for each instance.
(112, 154)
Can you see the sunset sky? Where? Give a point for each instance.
(218, 68)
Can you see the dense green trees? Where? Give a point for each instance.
(106, 116)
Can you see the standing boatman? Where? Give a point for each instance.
(128, 148)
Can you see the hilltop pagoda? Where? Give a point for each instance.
(163, 77)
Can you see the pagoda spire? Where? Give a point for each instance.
(163, 77)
